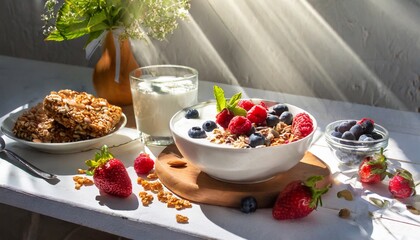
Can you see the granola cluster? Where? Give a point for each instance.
(281, 134)
(67, 116)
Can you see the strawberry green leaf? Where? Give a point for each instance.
(100, 159)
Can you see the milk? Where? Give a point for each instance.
(156, 100)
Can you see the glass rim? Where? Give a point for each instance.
(194, 71)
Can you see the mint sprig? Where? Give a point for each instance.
(231, 105)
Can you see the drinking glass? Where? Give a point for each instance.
(159, 91)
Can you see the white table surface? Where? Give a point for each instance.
(25, 81)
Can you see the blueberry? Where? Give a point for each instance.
(272, 112)
(251, 131)
(286, 117)
(368, 126)
(256, 139)
(376, 135)
(336, 134)
(280, 108)
(197, 132)
(357, 130)
(348, 136)
(364, 136)
(272, 120)
(191, 113)
(248, 205)
(344, 126)
(368, 139)
(209, 126)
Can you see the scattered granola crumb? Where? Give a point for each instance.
(181, 219)
(152, 175)
(146, 198)
(346, 194)
(80, 181)
(344, 213)
(81, 171)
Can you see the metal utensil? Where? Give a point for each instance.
(34, 169)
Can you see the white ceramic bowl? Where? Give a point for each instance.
(226, 163)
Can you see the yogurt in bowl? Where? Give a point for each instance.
(232, 164)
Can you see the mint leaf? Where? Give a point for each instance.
(219, 95)
(233, 101)
(238, 111)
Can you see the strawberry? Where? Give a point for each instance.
(298, 199)
(373, 168)
(401, 185)
(143, 163)
(109, 174)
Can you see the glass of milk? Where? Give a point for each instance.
(159, 91)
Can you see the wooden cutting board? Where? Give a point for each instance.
(192, 184)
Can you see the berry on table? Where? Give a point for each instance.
(143, 163)
(191, 114)
(257, 114)
(239, 125)
(298, 199)
(286, 117)
(197, 132)
(256, 139)
(109, 174)
(372, 169)
(209, 126)
(248, 204)
(401, 185)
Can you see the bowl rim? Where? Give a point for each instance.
(341, 142)
(225, 146)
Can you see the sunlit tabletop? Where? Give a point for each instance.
(29, 81)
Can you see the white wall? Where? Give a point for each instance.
(363, 51)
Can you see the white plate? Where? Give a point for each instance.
(61, 148)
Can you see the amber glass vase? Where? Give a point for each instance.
(108, 85)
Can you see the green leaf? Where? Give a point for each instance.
(219, 95)
(238, 111)
(233, 101)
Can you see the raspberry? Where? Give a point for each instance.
(143, 163)
(245, 104)
(257, 114)
(302, 125)
(239, 125)
(223, 118)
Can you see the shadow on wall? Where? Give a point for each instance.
(358, 51)
(353, 51)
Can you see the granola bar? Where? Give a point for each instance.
(34, 125)
(83, 112)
